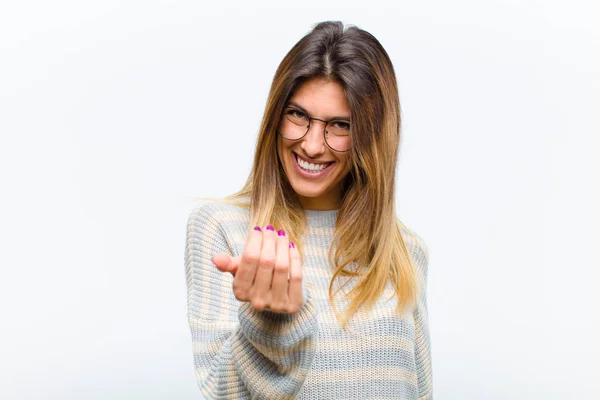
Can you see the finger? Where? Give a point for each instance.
(295, 294)
(247, 266)
(226, 263)
(235, 261)
(279, 286)
(223, 262)
(264, 272)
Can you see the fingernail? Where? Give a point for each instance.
(281, 232)
(271, 228)
(257, 228)
(292, 245)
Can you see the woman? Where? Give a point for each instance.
(319, 290)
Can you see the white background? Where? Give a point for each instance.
(114, 114)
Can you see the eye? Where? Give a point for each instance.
(343, 125)
(294, 112)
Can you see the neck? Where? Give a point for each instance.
(320, 203)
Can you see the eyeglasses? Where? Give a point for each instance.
(295, 124)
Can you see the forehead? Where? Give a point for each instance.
(322, 97)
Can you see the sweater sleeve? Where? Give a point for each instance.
(240, 353)
(422, 340)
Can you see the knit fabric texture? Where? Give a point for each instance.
(241, 353)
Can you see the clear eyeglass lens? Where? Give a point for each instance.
(298, 127)
(337, 133)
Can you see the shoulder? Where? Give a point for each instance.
(417, 247)
(218, 222)
(220, 213)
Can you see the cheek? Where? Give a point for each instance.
(282, 153)
(343, 161)
(345, 164)
(279, 150)
(284, 148)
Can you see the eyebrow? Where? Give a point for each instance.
(337, 118)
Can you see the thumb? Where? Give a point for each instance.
(223, 262)
(235, 263)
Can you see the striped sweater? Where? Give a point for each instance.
(241, 353)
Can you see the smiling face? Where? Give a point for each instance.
(314, 170)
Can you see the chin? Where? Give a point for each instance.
(304, 191)
(314, 195)
(316, 190)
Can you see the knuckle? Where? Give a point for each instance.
(293, 308)
(296, 276)
(258, 303)
(278, 307)
(281, 267)
(239, 292)
(250, 256)
(267, 263)
(283, 243)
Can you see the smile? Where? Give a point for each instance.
(309, 169)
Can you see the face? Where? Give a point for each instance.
(316, 189)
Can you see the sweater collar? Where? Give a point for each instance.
(321, 218)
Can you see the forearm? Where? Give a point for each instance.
(423, 353)
(266, 356)
(241, 353)
(422, 336)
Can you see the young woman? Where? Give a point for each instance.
(305, 284)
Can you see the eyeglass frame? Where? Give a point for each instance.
(308, 127)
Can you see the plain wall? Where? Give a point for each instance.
(114, 114)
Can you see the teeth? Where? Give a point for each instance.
(311, 166)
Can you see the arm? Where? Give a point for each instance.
(240, 352)
(421, 316)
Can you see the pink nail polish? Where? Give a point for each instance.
(292, 245)
(271, 228)
(257, 228)
(281, 232)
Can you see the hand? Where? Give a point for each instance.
(269, 272)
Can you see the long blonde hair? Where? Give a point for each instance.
(355, 59)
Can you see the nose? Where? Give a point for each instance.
(313, 142)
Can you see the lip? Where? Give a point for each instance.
(309, 175)
(313, 162)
